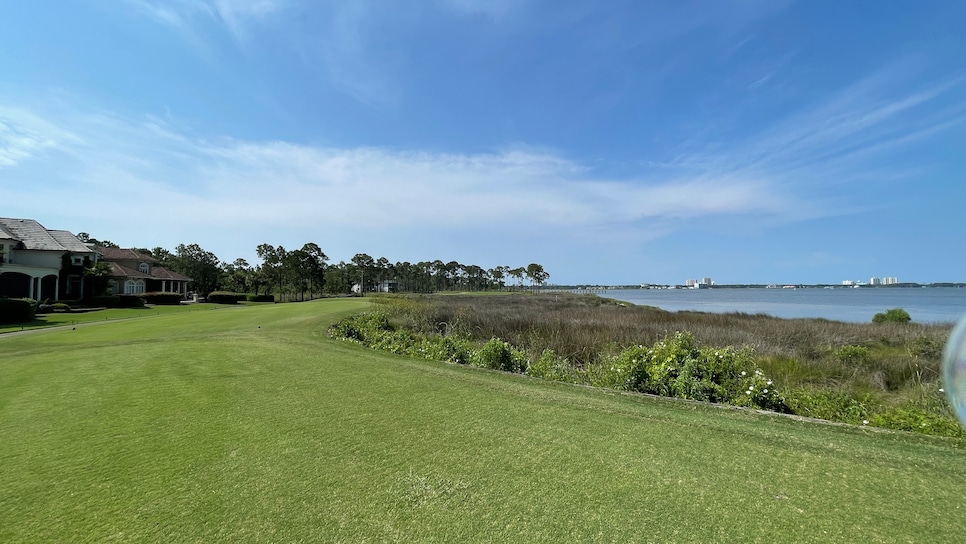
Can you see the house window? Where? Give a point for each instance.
(78, 261)
(133, 287)
(144, 268)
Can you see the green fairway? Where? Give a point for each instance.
(248, 424)
(75, 318)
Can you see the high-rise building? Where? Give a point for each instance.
(707, 281)
(691, 283)
(875, 281)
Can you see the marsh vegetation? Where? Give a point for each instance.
(885, 374)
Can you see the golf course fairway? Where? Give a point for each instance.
(250, 424)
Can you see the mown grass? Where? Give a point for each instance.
(249, 424)
(59, 319)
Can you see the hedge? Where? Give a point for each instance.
(261, 298)
(106, 301)
(16, 311)
(172, 299)
(129, 301)
(224, 297)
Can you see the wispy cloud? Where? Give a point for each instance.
(494, 9)
(157, 178)
(236, 15)
(24, 135)
(150, 175)
(847, 134)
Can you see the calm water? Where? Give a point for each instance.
(925, 305)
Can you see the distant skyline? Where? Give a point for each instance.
(754, 141)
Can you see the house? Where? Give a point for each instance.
(134, 272)
(388, 286)
(42, 264)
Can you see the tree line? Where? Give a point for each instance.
(298, 274)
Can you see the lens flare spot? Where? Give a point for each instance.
(954, 370)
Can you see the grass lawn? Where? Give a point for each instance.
(75, 318)
(250, 425)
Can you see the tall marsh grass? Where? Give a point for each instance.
(828, 367)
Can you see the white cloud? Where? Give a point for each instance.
(151, 179)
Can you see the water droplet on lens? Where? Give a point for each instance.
(954, 370)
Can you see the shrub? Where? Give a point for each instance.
(162, 298)
(16, 310)
(261, 298)
(830, 405)
(852, 355)
(499, 355)
(107, 301)
(550, 367)
(895, 315)
(451, 349)
(365, 327)
(674, 367)
(917, 419)
(130, 301)
(224, 297)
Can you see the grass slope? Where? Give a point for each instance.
(248, 424)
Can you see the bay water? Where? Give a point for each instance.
(924, 304)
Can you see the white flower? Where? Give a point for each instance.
(941, 390)
(769, 382)
(747, 392)
(743, 372)
(750, 387)
(765, 391)
(865, 421)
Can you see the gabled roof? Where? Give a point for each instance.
(34, 236)
(69, 241)
(120, 271)
(122, 254)
(155, 272)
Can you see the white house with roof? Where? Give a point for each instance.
(39, 263)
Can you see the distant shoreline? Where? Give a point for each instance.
(588, 287)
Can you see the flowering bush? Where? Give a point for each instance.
(675, 367)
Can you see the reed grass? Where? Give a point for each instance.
(891, 364)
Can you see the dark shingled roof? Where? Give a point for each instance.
(34, 236)
(122, 254)
(111, 254)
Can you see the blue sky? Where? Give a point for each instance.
(612, 142)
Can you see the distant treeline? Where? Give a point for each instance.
(307, 273)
